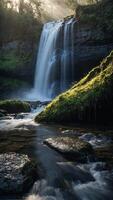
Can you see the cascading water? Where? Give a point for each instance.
(55, 63)
(67, 56)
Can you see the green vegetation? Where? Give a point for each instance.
(14, 106)
(90, 100)
(19, 21)
(11, 60)
(20, 28)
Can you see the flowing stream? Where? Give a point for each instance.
(61, 178)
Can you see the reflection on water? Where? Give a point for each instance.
(60, 179)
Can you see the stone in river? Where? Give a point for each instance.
(70, 146)
(17, 173)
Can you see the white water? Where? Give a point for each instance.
(99, 189)
(67, 61)
(54, 67)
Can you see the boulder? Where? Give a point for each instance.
(17, 173)
(14, 106)
(70, 146)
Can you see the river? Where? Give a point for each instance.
(61, 178)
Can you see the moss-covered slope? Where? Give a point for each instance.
(90, 100)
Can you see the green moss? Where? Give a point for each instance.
(14, 106)
(90, 100)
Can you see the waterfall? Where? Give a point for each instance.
(67, 57)
(55, 66)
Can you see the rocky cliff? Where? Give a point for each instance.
(93, 34)
(90, 47)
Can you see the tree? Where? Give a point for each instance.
(21, 6)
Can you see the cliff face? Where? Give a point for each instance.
(90, 47)
(93, 35)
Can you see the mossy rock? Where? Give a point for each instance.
(88, 101)
(15, 106)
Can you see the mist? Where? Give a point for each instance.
(56, 9)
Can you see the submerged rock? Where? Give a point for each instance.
(17, 173)
(70, 146)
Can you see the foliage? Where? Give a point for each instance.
(20, 28)
(90, 100)
(20, 21)
(11, 60)
(14, 106)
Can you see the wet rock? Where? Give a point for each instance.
(96, 140)
(21, 115)
(105, 154)
(35, 104)
(3, 113)
(70, 132)
(70, 146)
(3, 117)
(17, 173)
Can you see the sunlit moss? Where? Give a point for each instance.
(90, 100)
